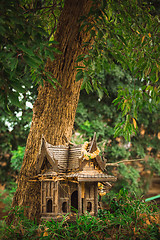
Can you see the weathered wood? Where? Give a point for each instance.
(73, 157)
(95, 198)
(57, 197)
(44, 152)
(89, 179)
(93, 145)
(101, 163)
(42, 193)
(79, 199)
(62, 188)
(83, 189)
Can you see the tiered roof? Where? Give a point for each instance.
(69, 162)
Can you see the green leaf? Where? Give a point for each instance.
(17, 86)
(79, 75)
(80, 58)
(13, 97)
(50, 54)
(100, 93)
(119, 124)
(56, 50)
(14, 63)
(118, 132)
(122, 38)
(88, 87)
(80, 67)
(37, 59)
(116, 101)
(127, 122)
(31, 62)
(51, 79)
(53, 42)
(85, 78)
(51, 82)
(105, 91)
(25, 50)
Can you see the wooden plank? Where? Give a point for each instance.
(79, 199)
(48, 214)
(56, 198)
(83, 189)
(98, 179)
(45, 152)
(44, 195)
(48, 187)
(84, 201)
(95, 198)
(41, 197)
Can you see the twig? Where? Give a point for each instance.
(132, 160)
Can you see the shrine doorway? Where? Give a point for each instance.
(49, 206)
(74, 201)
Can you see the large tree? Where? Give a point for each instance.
(54, 110)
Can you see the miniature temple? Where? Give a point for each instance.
(69, 177)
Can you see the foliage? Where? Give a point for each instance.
(25, 47)
(131, 215)
(14, 130)
(6, 195)
(17, 158)
(126, 218)
(100, 116)
(130, 179)
(24, 228)
(154, 165)
(126, 33)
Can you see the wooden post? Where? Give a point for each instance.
(45, 195)
(56, 198)
(95, 198)
(79, 199)
(85, 201)
(41, 197)
(82, 189)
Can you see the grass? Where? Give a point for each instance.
(126, 218)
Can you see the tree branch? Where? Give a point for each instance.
(126, 160)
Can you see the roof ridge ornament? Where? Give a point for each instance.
(88, 155)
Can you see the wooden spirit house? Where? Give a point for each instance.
(69, 178)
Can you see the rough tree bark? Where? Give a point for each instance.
(54, 110)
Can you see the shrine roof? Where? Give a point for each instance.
(81, 176)
(64, 158)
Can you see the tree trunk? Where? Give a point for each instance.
(54, 110)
